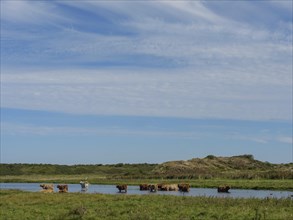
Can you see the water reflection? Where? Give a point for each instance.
(134, 190)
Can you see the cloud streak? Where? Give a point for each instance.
(199, 132)
(172, 59)
(148, 94)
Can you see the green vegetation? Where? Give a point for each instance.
(238, 171)
(236, 167)
(115, 170)
(35, 205)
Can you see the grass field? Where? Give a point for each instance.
(275, 184)
(17, 205)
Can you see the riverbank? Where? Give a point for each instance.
(270, 184)
(16, 204)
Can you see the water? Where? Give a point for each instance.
(134, 190)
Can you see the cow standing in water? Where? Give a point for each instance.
(122, 187)
(168, 187)
(153, 187)
(84, 185)
(224, 189)
(48, 188)
(184, 187)
(63, 188)
(143, 187)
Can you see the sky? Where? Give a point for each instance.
(104, 82)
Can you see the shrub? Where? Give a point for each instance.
(210, 157)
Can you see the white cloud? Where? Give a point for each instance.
(260, 138)
(118, 92)
(30, 129)
(285, 139)
(30, 12)
(211, 67)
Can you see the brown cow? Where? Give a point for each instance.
(48, 188)
(63, 188)
(224, 188)
(169, 187)
(184, 187)
(143, 187)
(173, 187)
(122, 187)
(153, 187)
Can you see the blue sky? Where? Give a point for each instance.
(145, 81)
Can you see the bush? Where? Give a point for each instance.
(210, 157)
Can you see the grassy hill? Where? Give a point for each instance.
(236, 167)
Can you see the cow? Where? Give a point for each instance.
(63, 188)
(224, 188)
(169, 187)
(143, 187)
(160, 186)
(122, 187)
(153, 187)
(163, 187)
(184, 187)
(173, 187)
(84, 185)
(48, 188)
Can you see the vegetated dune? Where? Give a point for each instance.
(243, 166)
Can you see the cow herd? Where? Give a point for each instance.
(183, 187)
(62, 188)
(48, 188)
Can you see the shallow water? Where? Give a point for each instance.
(134, 190)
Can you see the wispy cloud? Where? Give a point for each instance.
(180, 59)
(118, 92)
(200, 132)
(30, 129)
(285, 139)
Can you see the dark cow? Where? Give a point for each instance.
(184, 187)
(160, 186)
(122, 187)
(143, 187)
(47, 187)
(63, 188)
(153, 187)
(224, 189)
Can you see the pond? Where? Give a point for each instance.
(134, 190)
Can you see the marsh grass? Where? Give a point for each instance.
(15, 204)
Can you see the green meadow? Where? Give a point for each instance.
(17, 205)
